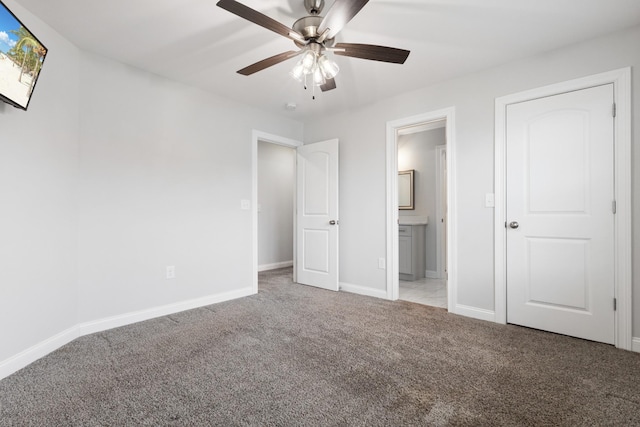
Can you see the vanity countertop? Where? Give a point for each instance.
(413, 220)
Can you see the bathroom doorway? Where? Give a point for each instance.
(420, 238)
(422, 217)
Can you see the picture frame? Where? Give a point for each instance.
(406, 190)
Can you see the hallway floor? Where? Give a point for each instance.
(425, 291)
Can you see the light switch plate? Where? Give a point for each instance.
(489, 200)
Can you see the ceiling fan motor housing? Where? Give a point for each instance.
(308, 28)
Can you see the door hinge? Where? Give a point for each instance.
(614, 110)
(615, 304)
(614, 207)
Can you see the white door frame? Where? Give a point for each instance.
(257, 136)
(621, 80)
(447, 114)
(441, 150)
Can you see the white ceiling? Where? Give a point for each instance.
(196, 42)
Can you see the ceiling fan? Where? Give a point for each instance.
(315, 35)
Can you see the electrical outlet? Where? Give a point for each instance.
(245, 205)
(381, 263)
(171, 272)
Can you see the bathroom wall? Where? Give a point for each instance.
(417, 151)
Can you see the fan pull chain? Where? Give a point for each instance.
(313, 95)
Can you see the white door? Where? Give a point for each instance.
(317, 215)
(560, 224)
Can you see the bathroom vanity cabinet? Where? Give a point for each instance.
(411, 251)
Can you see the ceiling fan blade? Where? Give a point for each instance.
(341, 12)
(372, 52)
(258, 18)
(266, 63)
(329, 84)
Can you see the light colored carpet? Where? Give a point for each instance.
(296, 355)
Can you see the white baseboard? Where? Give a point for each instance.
(275, 265)
(363, 290)
(635, 344)
(474, 312)
(151, 313)
(33, 353)
(431, 274)
(30, 355)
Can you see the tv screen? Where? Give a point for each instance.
(21, 59)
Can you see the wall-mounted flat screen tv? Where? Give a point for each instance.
(21, 59)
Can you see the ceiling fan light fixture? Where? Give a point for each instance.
(298, 72)
(309, 61)
(328, 67)
(314, 35)
(318, 77)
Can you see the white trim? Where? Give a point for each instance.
(422, 127)
(35, 352)
(440, 187)
(474, 312)
(363, 290)
(393, 127)
(636, 345)
(431, 274)
(163, 310)
(275, 265)
(256, 136)
(621, 80)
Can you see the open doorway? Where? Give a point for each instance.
(276, 195)
(422, 211)
(273, 203)
(428, 133)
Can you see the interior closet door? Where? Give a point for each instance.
(560, 217)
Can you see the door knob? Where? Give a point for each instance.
(514, 224)
(333, 222)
